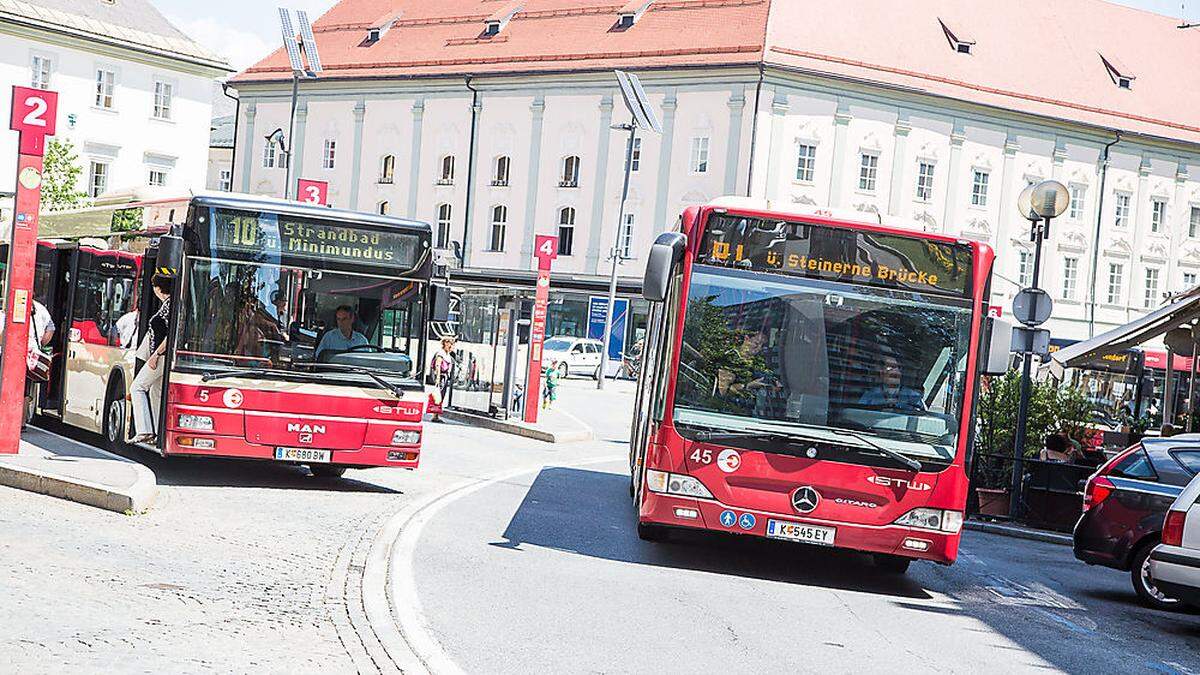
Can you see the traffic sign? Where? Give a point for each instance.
(1032, 306)
(1034, 341)
(312, 191)
(545, 249)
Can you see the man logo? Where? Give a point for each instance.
(309, 429)
(805, 499)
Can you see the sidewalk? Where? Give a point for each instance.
(553, 426)
(1018, 532)
(60, 467)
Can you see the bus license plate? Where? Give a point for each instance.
(303, 455)
(809, 534)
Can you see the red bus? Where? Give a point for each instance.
(258, 285)
(811, 378)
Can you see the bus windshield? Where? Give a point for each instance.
(251, 315)
(765, 352)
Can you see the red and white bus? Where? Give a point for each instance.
(811, 378)
(258, 282)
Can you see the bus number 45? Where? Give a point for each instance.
(702, 456)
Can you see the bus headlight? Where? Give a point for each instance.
(406, 437)
(195, 422)
(936, 520)
(676, 484)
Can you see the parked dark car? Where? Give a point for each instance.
(1125, 503)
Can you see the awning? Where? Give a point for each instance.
(1182, 310)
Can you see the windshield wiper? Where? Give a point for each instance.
(395, 389)
(886, 452)
(708, 436)
(209, 377)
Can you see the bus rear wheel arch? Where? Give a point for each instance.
(115, 415)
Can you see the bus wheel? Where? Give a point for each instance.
(114, 419)
(327, 470)
(648, 532)
(892, 564)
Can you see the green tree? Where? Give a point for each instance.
(60, 177)
(1052, 409)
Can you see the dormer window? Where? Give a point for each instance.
(960, 41)
(380, 26)
(631, 12)
(1118, 71)
(497, 21)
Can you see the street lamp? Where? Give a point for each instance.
(1038, 204)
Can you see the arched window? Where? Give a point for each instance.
(566, 230)
(499, 223)
(500, 171)
(444, 213)
(384, 207)
(570, 172)
(387, 169)
(447, 175)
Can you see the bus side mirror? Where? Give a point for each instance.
(439, 302)
(170, 254)
(666, 252)
(997, 344)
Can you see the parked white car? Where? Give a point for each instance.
(1175, 563)
(575, 356)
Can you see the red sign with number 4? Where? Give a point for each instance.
(545, 249)
(34, 113)
(312, 191)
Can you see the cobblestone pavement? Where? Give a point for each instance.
(240, 566)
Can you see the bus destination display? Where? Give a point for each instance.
(837, 254)
(268, 234)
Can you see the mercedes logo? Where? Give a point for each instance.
(805, 499)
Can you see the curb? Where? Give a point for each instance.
(1019, 532)
(136, 498)
(518, 429)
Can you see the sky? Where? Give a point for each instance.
(244, 31)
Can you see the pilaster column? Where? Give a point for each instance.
(1058, 159)
(249, 112)
(1178, 226)
(841, 121)
(953, 180)
(537, 112)
(297, 142)
(472, 206)
(899, 161)
(664, 163)
(1141, 226)
(775, 159)
(360, 112)
(414, 170)
(737, 107)
(596, 224)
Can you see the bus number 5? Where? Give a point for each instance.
(202, 395)
(702, 457)
(36, 117)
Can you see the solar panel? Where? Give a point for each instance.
(310, 43)
(289, 40)
(637, 102)
(645, 103)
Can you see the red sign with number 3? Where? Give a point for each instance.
(312, 191)
(34, 114)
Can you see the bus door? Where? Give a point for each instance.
(147, 306)
(53, 288)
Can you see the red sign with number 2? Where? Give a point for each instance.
(34, 113)
(312, 191)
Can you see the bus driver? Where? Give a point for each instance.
(891, 393)
(345, 337)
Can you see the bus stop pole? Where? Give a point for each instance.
(616, 259)
(1016, 504)
(33, 116)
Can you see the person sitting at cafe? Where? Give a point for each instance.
(1058, 448)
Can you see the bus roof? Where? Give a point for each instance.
(245, 202)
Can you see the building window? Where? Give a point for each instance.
(443, 225)
(499, 222)
(98, 178)
(625, 241)
(1121, 218)
(1158, 215)
(925, 181)
(1024, 269)
(806, 162)
(1075, 210)
(1194, 222)
(225, 183)
(269, 156)
(163, 94)
(158, 177)
(384, 207)
(566, 231)
(699, 154)
(329, 155)
(633, 160)
(570, 172)
(500, 171)
(1189, 281)
(105, 79)
(868, 170)
(447, 175)
(1070, 277)
(1116, 273)
(40, 67)
(979, 188)
(1150, 301)
(387, 169)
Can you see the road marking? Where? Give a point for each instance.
(389, 593)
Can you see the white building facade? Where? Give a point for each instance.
(546, 161)
(134, 94)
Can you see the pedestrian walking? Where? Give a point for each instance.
(151, 349)
(442, 370)
(550, 388)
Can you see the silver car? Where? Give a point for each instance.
(1175, 563)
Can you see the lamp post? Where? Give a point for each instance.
(1038, 204)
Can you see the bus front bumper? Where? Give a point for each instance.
(197, 445)
(704, 514)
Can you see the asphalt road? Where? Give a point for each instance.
(533, 567)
